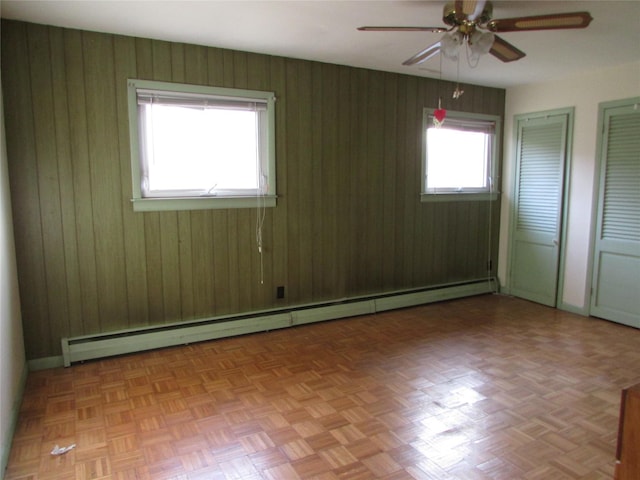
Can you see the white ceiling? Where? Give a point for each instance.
(326, 31)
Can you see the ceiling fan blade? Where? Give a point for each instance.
(541, 22)
(424, 55)
(402, 29)
(504, 51)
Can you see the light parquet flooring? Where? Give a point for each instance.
(488, 387)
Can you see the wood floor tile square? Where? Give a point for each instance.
(488, 387)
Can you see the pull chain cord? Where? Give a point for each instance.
(261, 208)
(259, 225)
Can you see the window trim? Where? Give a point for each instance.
(216, 201)
(471, 194)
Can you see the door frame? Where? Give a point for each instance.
(569, 112)
(597, 178)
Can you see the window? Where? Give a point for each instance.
(195, 147)
(459, 157)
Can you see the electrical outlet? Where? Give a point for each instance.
(280, 292)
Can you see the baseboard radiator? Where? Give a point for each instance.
(78, 349)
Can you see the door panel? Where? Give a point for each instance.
(540, 166)
(538, 261)
(616, 278)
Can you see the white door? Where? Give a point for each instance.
(616, 274)
(538, 206)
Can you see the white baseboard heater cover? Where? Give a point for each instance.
(78, 349)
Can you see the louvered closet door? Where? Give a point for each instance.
(616, 279)
(540, 165)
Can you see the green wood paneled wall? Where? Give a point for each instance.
(348, 221)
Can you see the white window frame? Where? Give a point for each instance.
(466, 194)
(196, 200)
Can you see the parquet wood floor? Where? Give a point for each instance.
(489, 387)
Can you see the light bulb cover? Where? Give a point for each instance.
(450, 43)
(481, 42)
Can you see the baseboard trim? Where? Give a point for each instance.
(45, 363)
(7, 438)
(436, 295)
(584, 311)
(574, 309)
(89, 347)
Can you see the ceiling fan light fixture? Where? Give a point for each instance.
(480, 43)
(450, 44)
(471, 21)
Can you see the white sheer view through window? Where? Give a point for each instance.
(459, 156)
(457, 159)
(200, 147)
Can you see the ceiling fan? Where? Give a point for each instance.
(470, 22)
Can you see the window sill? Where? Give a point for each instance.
(201, 203)
(458, 197)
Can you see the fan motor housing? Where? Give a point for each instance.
(450, 16)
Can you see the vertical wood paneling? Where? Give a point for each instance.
(153, 254)
(262, 264)
(345, 148)
(430, 246)
(134, 231)
(429, 94)
(304, 183)
(348, 219)
(457, 255)
(106, 185)
(65, 179)
(48, 180)
(398, 252)
(478, 103)
(318, 179)
(292, 147)
(356, 227)
(25, 196)
(326, 191)
(78, 135)
(470, 256)
(389, 191)
(374, 185)
(411, 175)
(202, 258)
(279, 247)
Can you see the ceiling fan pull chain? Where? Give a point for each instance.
(457, 93)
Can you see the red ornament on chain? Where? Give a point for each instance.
(439, 114)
